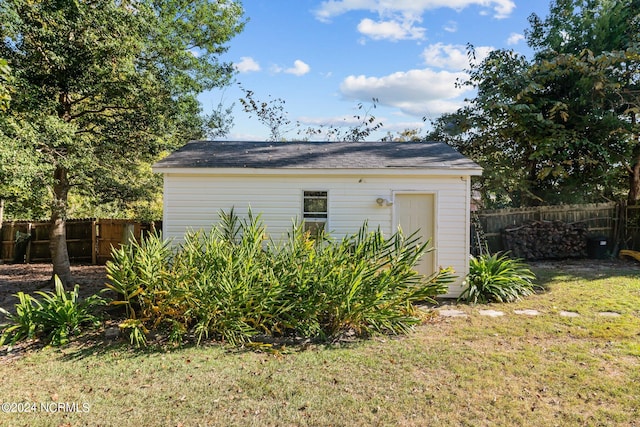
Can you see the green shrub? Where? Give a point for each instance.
(137, 273)
(24, 323)
(137, 331)
(57, 316)
(362, 283)
(497, 278)
(61, 314)
(233, 284)
(137, 267)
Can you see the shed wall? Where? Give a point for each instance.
(193, 201)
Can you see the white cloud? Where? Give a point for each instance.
(452, 57)
(450, 27)
(393, 30)
(330, 8)
(514, 38)
(336, 121)
(445, 56)
(415, 92)
(299, 68)
(247, 65)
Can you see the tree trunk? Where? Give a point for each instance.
(1, 221)
(58, 234)
(634, 172)
(634, 184)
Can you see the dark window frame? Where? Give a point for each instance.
(315, 211)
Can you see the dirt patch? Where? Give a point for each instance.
(29, 278)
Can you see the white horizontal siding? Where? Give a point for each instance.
(192, 202)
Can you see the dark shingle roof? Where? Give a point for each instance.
(316, 155)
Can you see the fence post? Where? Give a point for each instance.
(12, 244)
(27, 257)
(1, 236)
(94, 242)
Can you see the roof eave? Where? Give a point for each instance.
(390, 171)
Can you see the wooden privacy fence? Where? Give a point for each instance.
(630, 217)
(88, 240)
(91, 240)
(617, 222)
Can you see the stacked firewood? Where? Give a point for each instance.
(538, 240)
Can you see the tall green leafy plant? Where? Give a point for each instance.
(62, 314)
(137, 267)
(234, 296)
(233, 284)
(363, 283)
(497, 278)
(57, 316)
(23, 324)
(136, 274)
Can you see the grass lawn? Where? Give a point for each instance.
(515, 370)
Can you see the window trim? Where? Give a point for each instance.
(324, 220)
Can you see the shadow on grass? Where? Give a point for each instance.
(583, 269)
(93, 344)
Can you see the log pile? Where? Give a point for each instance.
(539, 240)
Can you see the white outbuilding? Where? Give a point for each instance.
(334, 186)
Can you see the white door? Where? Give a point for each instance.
(417, 212)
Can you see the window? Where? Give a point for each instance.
(315, 212)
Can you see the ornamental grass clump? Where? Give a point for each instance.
(362, 283)
(56, 316)
(497, 278)
(235, 285)
(235, 293)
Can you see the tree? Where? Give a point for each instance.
(407, 135)
(601, 40)
(554, 129)
(219, 122)
(270, 113)
(5, 80)
(104, 86)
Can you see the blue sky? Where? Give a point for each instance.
(323, 58)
